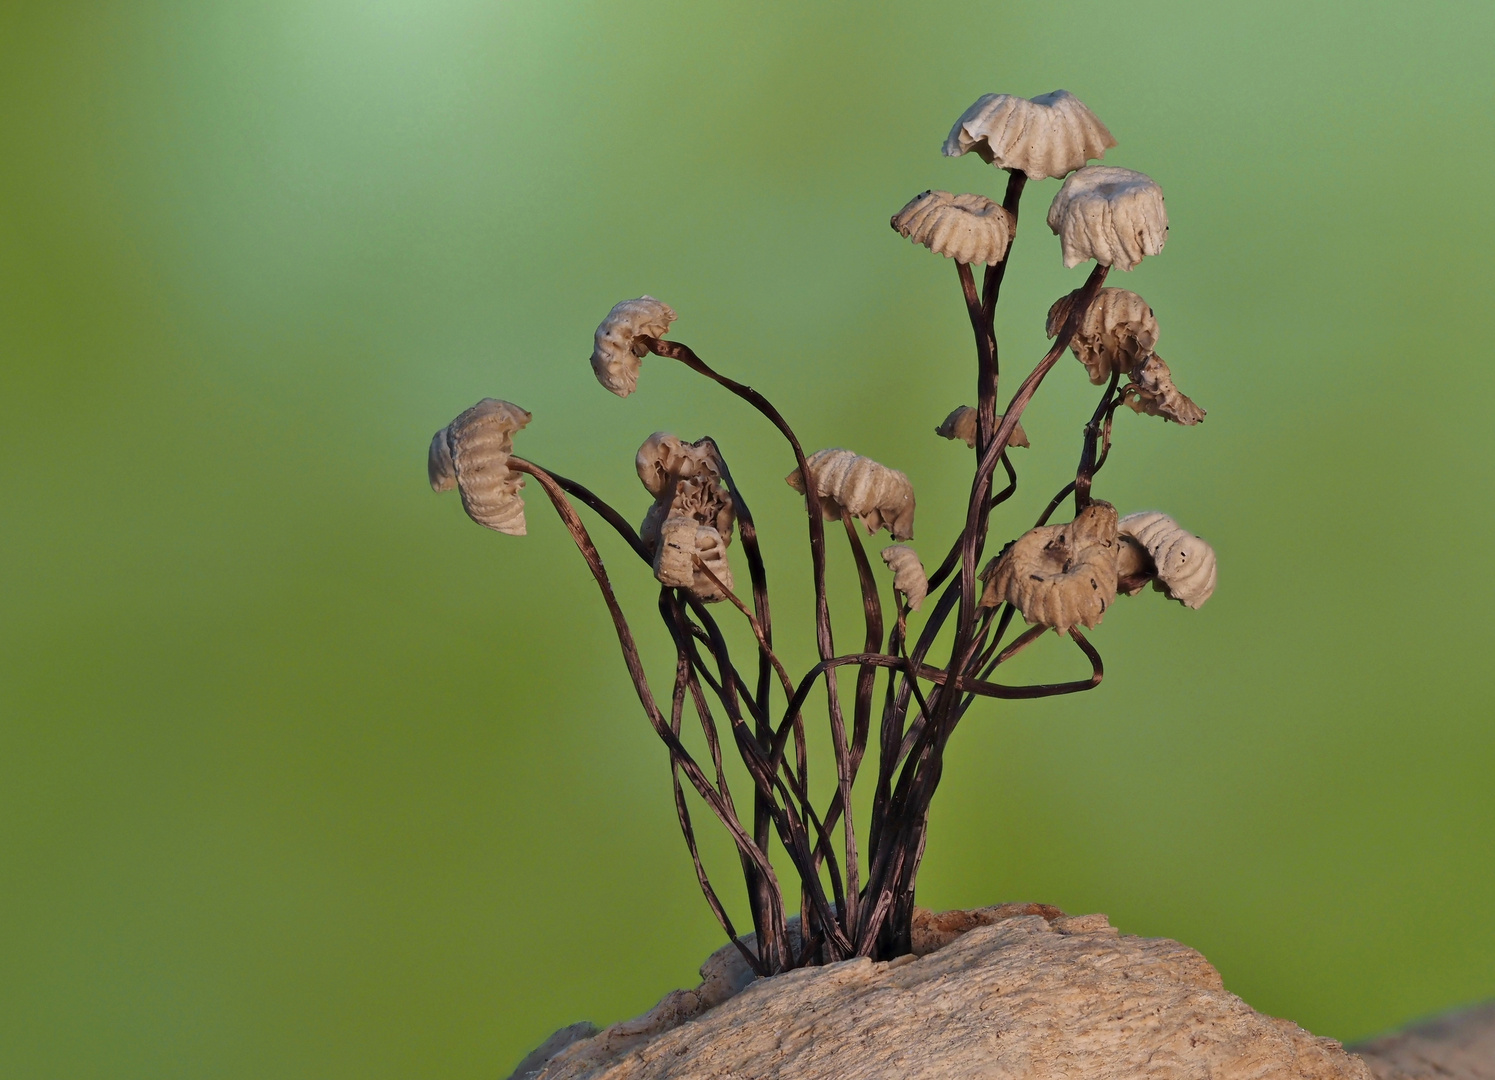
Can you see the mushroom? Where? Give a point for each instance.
(876, 494)
(966, 228)
(1182, 563)
(616, 351)
(961, 424)
(692, 514)
(1151, 391)
(1117, 333)
(908, 573)
(1059, 575)
(1050, 135)
(1114, 216)
(472, 455)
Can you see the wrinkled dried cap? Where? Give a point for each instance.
(616, 351)
(692, 515)
(880, 496)
(1059, 575)
(664, 457)
(1117, 333)
(966, 228)
(1050, 135)
(472, 455)
(1153, 393)
(962, 423)
(1183, 563)
(908, 573)
(1114, 216)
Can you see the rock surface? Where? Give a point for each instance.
(1455, 1046)
(1019, 991)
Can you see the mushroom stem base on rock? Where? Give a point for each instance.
(1016, 990)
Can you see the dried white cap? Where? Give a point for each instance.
(663, 458)
(616, 351)
(966, 228)
(472, 455)
(962, 424)
(880, 496)
(1059, 575)
(1050, 135)
(1185, 564)
(1114, 216)
(1117, 333)
(692, 514)
(1153, 393)
(908, 573)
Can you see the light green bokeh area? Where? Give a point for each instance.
(303, 775)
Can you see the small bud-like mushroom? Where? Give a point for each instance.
(1059, 575)
(1050, 135)
(472, 455)
(962, 423)
(908, 573)
(880, 496)
(1184, 564)
(966, 228)
(1152, 392)
(616, 351)
(1114, 216)
(1117, 333)
(692, 514)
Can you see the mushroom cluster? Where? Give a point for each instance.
(687, 529)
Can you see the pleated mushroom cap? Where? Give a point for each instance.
(1114, 216)
(962, 424)
(908, 573)
(616, 349)
(692, 514)
(1059, 575)
(472, 455)
(1153, 393)
(1050, 135)
(879, 496)
(1184, 564)
(967, 228)
(1117, 333)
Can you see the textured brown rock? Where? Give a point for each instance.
(1458, 1045)
(1016, 991)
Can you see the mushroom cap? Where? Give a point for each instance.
(664, 457)
(876, 494)
(1185, 564)
(962, 424)
(1050, 135)
(1117, 333)
(1114, 216)
(908, 573)
(1156, 395)
(681, 540)
(1059, 575)
(966, 228)
(472, 455)
(616, 349)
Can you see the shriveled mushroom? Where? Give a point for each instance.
(966, 228)
(1183, 563)
(1059, 575)
(1114, 216)
(663, 458)
(472, 455)
(908, 573)
(616, 349)
(1152, 392)
(1050, 135)
(962, 424)
(1117, 333)
(692, 514)
(876, 494)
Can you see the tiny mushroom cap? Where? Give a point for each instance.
(1152, 392)
(880, 496)
(1184, 564)
(966, 228)
(1117, 333)
(908, 573)
(1114, 216)
(962, 423)
(1059, 575)
(1050, 135)
(616, 349)
(472, 455)
(663, 458)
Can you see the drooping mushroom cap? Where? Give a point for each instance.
(1050, 135)
(876, 494)
(1184, 564)
(472, 455)
(1117, 333)
(663, 457)
(616, 349)
(966, 228)
(1114, 216)
(1059, 575)
(1153, 393)
(908, 573)
(962, 424)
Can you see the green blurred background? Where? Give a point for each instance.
(304, 775)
